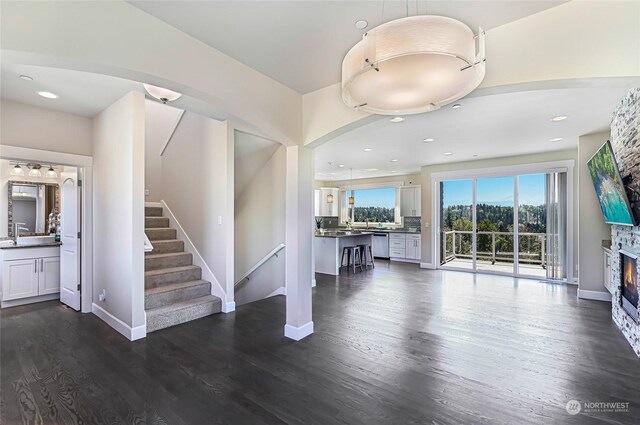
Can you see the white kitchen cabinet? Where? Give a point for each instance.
(410, 201)
(30, 273)
(413, 250)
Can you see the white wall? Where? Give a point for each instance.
(32, 127)
(428, 220)
(408, 179)
(118, 212)
(160, 120)
(592, 228)
(197, 185)
(260, 227)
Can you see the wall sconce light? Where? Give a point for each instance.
(329, 199)
(17, 171)
(34, 170)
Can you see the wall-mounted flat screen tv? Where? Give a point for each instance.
(609, 188)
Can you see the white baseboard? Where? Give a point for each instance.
(427, 266)
(404, 260)
(297, 333)
(280, 291)
(313, 283)
(229, 307)
(207, 274)
(594, 295)
(130, 333)
(31, 300)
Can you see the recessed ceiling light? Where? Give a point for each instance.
(559, 118)
(394, 171)
(26, 78)
(368, 149)
(396, 119)
(429, 140)
(448, 153)
(394, 160)
(341, 165)
(475, 155)
(47, 94)
(456, 106)
(555, 139)
(361, 24)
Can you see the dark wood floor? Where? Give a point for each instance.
(397, 345)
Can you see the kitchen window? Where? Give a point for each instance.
(377, 204)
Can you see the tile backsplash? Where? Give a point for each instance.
(329, 222)
(412, 222)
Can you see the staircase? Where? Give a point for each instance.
(174, 291)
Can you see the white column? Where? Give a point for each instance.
(298, 240)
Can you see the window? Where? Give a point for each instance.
(375, 204)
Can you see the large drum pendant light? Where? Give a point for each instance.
(413, 65)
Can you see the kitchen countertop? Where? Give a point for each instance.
(342, 234)
(371, 230)
(44, 245)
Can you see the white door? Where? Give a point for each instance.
(70, 249)
(49, 276)
(20, 279)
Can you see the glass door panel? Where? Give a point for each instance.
(456, 224)
(532, 225)
(494, 228)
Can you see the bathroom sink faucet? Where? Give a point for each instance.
(17, 227)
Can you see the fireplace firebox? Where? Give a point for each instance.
(629, 282)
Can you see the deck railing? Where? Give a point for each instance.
(456, 244)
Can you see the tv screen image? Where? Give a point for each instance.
(609, 188)
(629, 284)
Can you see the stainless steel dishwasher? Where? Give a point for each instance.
(381, 244)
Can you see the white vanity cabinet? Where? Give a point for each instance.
(28, 273)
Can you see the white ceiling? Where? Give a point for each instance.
(301, 44)
(81, 93)
(488, 126)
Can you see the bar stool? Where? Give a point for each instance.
(352, 253)
(363, 255)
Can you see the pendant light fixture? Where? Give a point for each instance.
(162, 94)
(17, 171)
(329, 199)
(352, 199)
(51, 173)
(412, 65)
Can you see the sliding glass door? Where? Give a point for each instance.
(513, 225)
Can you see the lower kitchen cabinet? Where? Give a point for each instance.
(405, 247)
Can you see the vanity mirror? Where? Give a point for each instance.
(30, 203)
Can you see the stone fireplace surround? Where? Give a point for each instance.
(625, 141)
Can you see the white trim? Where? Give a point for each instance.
(153, 204)
(404, 260)
(594, 295)
(297, 333)
(31, 300)
(207, 274)
(130, 333)
(427, 266)
(507, 170)
(175, 127)
(38, 155)
(313, 283)
(280, 291)
(229, 307)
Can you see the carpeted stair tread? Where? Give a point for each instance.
(181, 312)
(166, 260)
(175, 292)
(169, 270)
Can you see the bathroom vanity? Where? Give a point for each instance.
(30, 273)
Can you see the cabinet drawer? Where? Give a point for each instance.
(395, 243)
(398, 236)
(413, 237)
(397, 253)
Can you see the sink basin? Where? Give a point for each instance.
(35, 240)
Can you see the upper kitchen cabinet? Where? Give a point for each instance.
(326, 202)
(410, 201)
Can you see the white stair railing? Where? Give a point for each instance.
(259, 264)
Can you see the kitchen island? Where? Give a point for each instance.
(328, 248)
